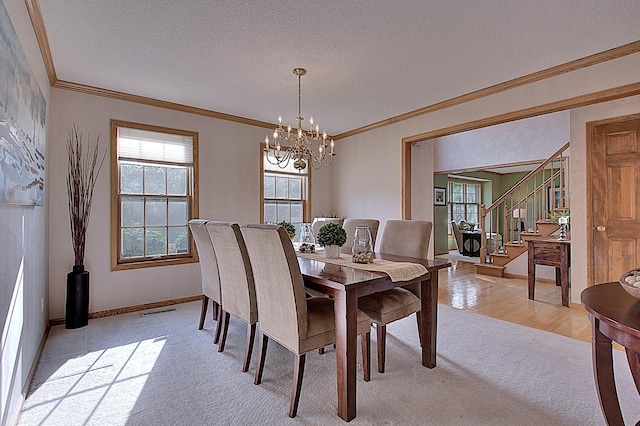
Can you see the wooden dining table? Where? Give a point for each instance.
(345, 285)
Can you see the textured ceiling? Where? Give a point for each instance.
(367, 60)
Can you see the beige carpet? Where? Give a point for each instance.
(160, 370)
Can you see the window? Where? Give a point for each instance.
(463, 202)
(153, 195)
(285, 194)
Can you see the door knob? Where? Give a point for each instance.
(601, 228)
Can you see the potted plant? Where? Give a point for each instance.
(288, 226)
(331, 236)
(83, 170)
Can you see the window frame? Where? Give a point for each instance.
(306, 192)
(117, 263)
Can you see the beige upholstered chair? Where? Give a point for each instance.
(457, 235)
(236, 282)
(319, 221)
(350, 228)
(402, 238)
(286, 315)
(209, 269)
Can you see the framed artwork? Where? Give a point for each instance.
(22, 123)
(439, 196)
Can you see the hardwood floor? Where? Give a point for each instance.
(506, 299)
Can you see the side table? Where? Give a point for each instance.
(471, 243)
(550, 252)
(615, 316)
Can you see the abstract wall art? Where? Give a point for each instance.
(22, 122)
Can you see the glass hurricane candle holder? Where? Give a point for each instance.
(362, 250)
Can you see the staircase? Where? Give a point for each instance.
(524, 212)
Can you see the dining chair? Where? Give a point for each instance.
(209, 271)
(238, 295)
(286, 315)
(350, 224)
(403, 238)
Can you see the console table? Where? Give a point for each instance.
(614, 315)
(550, 252)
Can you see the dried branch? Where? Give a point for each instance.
(81, 180)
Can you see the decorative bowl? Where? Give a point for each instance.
(630, 282)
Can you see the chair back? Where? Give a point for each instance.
(279, 284)
(319, 221)
(406, 238)
(456, 234)
(208, 261)
(350, 228)
(236, 275)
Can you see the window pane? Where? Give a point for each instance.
(156, 241)
(269, 186)
(177, 181)
(155, 180)
(295, 188)
(156, 212)
(178, 239)
(132, 243)
(282, 187)
(270, 212)
(284, 212)
(131, 179)
(132, 211)
(472, 196)
(178, 213)
(296, 212)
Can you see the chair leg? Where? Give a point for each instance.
(216, 337)
(225, 328)
(203, 311)
(321, 350)
(381, 333)
(419, 330)
(262, 353)
(216, 310)
(251, 334)
(298, 373)
(365, 340)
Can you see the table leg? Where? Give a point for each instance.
(603, 374)
(634, 365)
(531, 275)
(564, 283)
(346, 313)
(429, 319)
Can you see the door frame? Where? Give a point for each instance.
(590, 231)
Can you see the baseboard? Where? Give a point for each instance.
(135, 308)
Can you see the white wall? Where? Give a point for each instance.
(381, 148)
(229, 169)
(22, 258)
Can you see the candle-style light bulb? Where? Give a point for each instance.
(275, 134)
(311, 123)
(324, 135)
(317, 129)
(280, 119)
(266, 141)
(332, 144)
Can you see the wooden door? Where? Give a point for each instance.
(615, 194)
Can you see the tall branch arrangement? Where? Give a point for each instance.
(83, 171)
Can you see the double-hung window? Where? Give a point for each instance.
(285, 194)
(153, 195)
(464, 201)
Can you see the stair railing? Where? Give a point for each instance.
(542, 193)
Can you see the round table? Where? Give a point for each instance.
(615, 316)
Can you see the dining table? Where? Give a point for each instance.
(345, 284)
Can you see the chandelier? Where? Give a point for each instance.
(298, 145)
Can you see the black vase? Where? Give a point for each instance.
(77, 312)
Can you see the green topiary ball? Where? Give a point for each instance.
(331, 234)
(288, 226)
